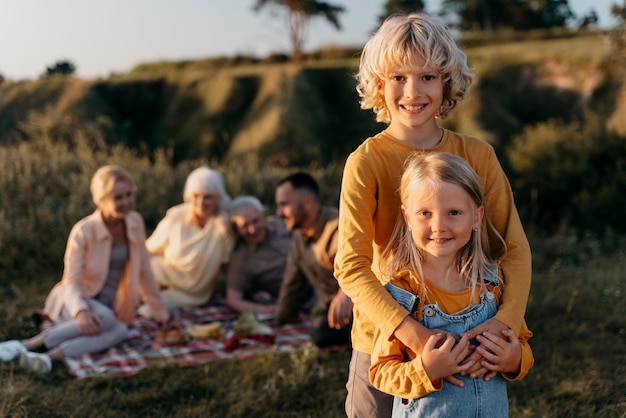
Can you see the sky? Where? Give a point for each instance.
(105, 37)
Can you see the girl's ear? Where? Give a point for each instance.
(403, 210)
(478, 216)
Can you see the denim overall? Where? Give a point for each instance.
(477, 398)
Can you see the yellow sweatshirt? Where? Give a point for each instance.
(390, 371)
(369, 207)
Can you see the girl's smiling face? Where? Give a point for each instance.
(441, 219)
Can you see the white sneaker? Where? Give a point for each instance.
(145, 311)
(10, 350)
(35, 362)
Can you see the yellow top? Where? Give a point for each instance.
(369, 207)
(390, 372)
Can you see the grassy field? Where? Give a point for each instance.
(575, 311)
(575, 308)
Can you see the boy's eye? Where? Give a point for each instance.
(397, 77)
(429, 77)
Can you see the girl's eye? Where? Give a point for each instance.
(397, 77)
(423, 213)
(429, 77)
(454, 212)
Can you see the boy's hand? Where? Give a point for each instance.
(491, 325)
(502, 355)
(340, 311)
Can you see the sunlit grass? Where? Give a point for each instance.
(575, 308)
(575, 312)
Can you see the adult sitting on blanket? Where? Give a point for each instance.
(257, 263)
(192, 242)
(106, 269)
(310, 262)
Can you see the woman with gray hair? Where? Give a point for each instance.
(192, 242)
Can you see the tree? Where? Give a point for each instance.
(62, 68)
(590, 19)
(401, 6)
(556, 13)
(619, 12)
(487, 15)
(299, 13)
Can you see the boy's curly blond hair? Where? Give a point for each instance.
(404, 40)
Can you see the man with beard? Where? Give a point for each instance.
(310, 263)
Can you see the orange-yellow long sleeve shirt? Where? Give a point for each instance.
(369, 207)
(390, 372)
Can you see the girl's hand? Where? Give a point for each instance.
(494, 327)
(477, 370)
(88, 323)
(502, 355)
(443, 356)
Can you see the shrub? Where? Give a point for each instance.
(570, 174)
(45, 184)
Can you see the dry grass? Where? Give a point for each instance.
(575, 311)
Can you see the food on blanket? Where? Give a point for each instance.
(248, 328)
(248, 324)
(203, 331)
(169, 337)
(234, 340)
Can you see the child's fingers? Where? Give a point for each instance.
(491, 342)
(433, 341)
(455, 381)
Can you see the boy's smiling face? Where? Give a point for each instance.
(413, 96)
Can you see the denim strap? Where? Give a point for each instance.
(406, 299)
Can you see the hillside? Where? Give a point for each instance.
(293, 114)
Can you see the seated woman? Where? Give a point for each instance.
(192, 242)
(257, 263)
(106, 271)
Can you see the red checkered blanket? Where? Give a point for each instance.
(140, 350)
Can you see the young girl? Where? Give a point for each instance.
(440, 270)
(412, 73)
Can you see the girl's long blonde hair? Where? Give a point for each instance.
(485, 247)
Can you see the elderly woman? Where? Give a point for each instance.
(106, 271)
(192, 242)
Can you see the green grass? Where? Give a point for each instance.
(575, 308)
(575, 311)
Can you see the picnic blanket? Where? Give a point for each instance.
(141, 350)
